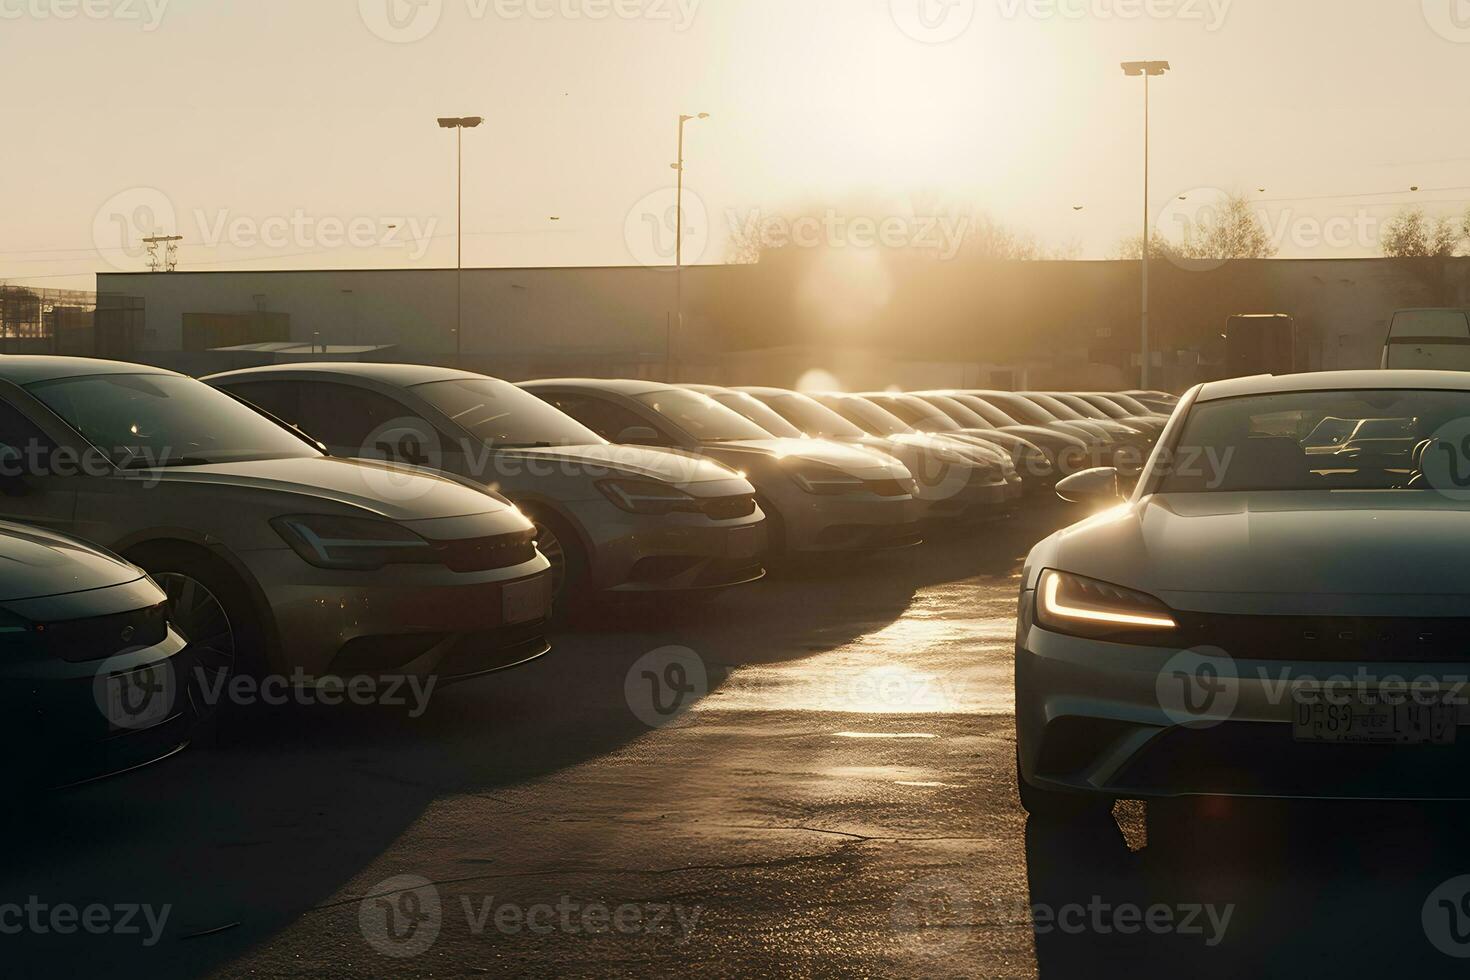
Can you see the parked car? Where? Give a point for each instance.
(952, 482)
(1025, 411)
(274, 557)
(1121, 406)
(1148, 425)
(817, 496)
(1032, 466)
(1160, 401)
(1256, 620)
(93, 680)
(1125, 435)
(611, 519)
(1065, 454)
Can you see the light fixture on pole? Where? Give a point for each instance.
(1146, 69)
(459, 125)
(678, 328)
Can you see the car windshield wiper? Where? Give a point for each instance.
(522, 445)
(143, 463)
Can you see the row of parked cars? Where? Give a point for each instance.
(335, 523)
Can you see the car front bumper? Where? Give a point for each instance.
(1113, 720)
(856, 522)
(402, 620)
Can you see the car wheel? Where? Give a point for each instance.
(775, 528)
(1054, 805)
(556, 539)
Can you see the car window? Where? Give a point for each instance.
(23, 446)
(758, 412)
(701, 416)
(812, 417)
(603, 417)
(1320, 440)
(875, 420)
(281, 398)
(352, 420)
(1057, 408)
(166, 420)
(504, 416)
(926, 416)
(1430, 323)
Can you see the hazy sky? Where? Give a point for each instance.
(292, 133)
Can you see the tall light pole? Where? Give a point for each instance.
(1147, 69)
(459, 125)
(678, 329)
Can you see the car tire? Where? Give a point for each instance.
(202, 590)
(1049, 804)
(570, 565)
(775, 528)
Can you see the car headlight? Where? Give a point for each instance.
(357, 543)
(647, 496)
(1067, 603)
(826, 480)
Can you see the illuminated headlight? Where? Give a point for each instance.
(826, 480)
(359, 544)
(647, 497)
(1068, 603)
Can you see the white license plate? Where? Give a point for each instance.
(522, 602)
(1368, 720)
(139, 699)
(743, 542)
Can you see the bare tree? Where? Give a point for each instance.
(1233, 231)
(1411, 234)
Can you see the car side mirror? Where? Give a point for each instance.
(638, 435)
(1095, 486)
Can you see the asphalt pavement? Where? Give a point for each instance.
(812, 776)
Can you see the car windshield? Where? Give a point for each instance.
(758, 412)
(987, 411)
(812, 417)
(919, 413)
(1021, 408)
(147, 420)
(1323, 440)
(860, 411)
(1058, 408)
(1107, 406)
(1128, 403)
(502, 415)
(702, 417)
(963, 415)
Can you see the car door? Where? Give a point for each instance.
(39, 474)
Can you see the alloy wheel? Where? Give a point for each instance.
(199, 615)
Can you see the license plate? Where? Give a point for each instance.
(139, 699)
(1368, 720)
(743, 542)
(523, 602)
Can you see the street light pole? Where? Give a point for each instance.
(1147, 69)
(459, 125)
(678, 330)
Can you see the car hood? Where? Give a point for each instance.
(850, 459)
(1043, 436)
(1282, 553)
(36, 563)
(655, 464)
(397, 493)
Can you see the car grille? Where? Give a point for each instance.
(484, 554)
(1328, 638)
(887, 488)
(728, 508)
(86, 640)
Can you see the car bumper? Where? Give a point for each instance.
(631, 554)
(404, 620)
(978, 498)
(1112, 720)
(78, 733)
(862, 522)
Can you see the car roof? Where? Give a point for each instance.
(621, 386)
(1268, 384)
(24, 369)
(759, 390)
(401, 375)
